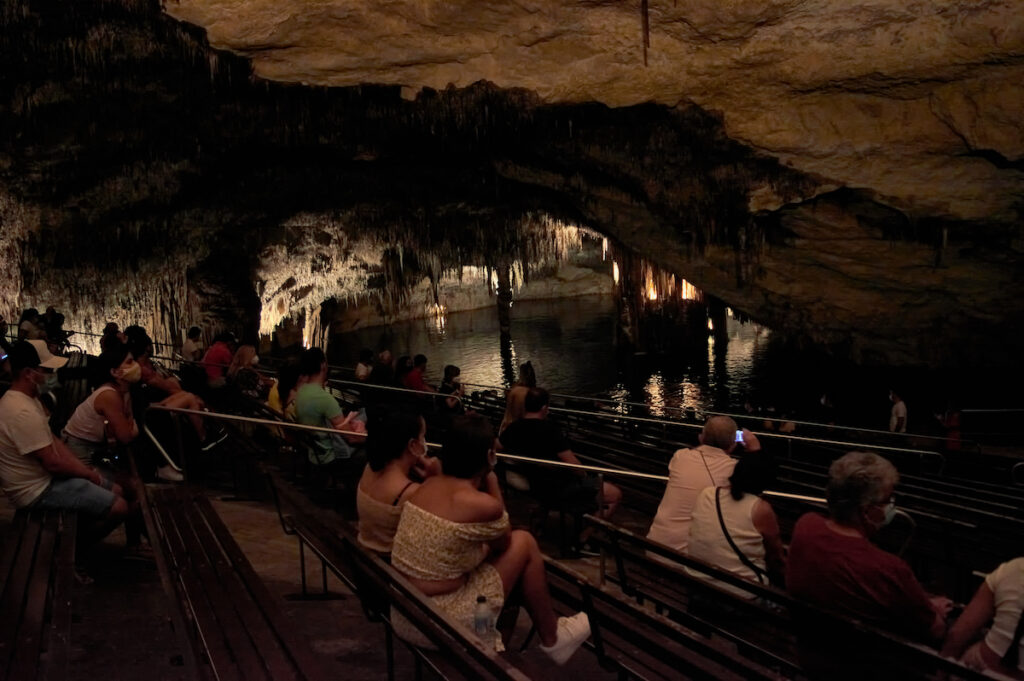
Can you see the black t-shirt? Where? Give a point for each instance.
(538, 439)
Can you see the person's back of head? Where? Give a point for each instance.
(753, 474)
(388, 435)
(527, 376)
(311, 362)
(287, 378)
(29, 314)
(403, 366)
(720, 432)
(855, 481)
(536, 399)
(467, 446)
(139, 342)
(194, 333)
(451, 372)
(385, 357)
(111, 329)
(242, 359)
(419, 361)
(366, 356)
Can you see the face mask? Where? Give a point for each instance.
(890, 513)
(132, 374)
(49, 382)
(255, 359)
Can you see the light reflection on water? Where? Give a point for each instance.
(571, 344)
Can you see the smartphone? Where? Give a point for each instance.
(739, 436)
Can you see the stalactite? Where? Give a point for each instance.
(645, 21)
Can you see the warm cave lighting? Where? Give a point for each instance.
(652, 293)
(604, 249)
(711, 325)
(615, 271)
(440, 317)
(687, 290)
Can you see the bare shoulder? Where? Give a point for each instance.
(763, 516)
(471, 506)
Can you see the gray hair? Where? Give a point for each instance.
(857, 480)
(720, 431)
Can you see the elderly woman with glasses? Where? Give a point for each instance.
(834, 564)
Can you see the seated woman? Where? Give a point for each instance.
(749, 521)
(452, 385)
(454, 543)
(515, 397)
(106, 417)
(997, 604)
(243, 375)
(396, 454)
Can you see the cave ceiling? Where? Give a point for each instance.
(851, 172)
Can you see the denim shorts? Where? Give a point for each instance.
(75, 494)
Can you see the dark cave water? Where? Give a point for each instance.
(572, 345)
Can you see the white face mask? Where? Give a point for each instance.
(255, 359)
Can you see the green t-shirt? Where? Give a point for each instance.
(314, 406)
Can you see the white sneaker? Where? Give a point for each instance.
(169, 474)
(572, 632)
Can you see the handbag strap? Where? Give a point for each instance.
(743, 558)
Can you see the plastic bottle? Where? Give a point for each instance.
(483, 623)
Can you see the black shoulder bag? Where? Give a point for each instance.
(762, 576)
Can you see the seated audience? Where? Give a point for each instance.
(38, 471)
(314, 406)
(403, 365)
(365, 364)
(111, 333)
(692, 470)
(833, 564)
(454, 543)
(29, 326)
(218, 358)
(516, 396)
(281, 397)
(413, 380)
(5, 346)
(755, 551)
(537, 437)
(192, 348)
(383, 372)
(452, 385)
(997, 605)
(397, 459)
(243, 375)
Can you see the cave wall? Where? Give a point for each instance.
(134, 153)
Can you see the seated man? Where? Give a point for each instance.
(689, 472)
(38, 471)
(833, 564)
(537, 437)
(314, 406)
(218, 358)
(192, 348)
(413, 380)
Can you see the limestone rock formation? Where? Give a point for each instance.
(920, 102)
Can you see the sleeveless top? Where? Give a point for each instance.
(378, 521)
(708, 543)
(86, 423)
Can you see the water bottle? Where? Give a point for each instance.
(482, 618)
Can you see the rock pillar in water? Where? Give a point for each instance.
(505, 301)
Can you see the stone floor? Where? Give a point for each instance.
(122, 622)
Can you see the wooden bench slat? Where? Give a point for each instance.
(55, 665)
(191, 591)
(297, 648)
(240, 650)
(273, 659)
(15, 592)
(30, 634)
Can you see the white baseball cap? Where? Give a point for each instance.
(47, 360)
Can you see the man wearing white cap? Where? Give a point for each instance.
(38, 471)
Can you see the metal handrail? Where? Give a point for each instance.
(373, 386)
(501, 455)
(786, 436)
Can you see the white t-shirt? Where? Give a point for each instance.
(23, 429)
(1007, 584)
(899, 411)
(191, 350)
(687, 476)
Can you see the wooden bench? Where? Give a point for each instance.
(382, 590)
(36, 578)
(767, 625)
(237, 630)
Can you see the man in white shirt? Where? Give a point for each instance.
(898, 415)
(689, 472)
(38, 471)
(192, 348)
